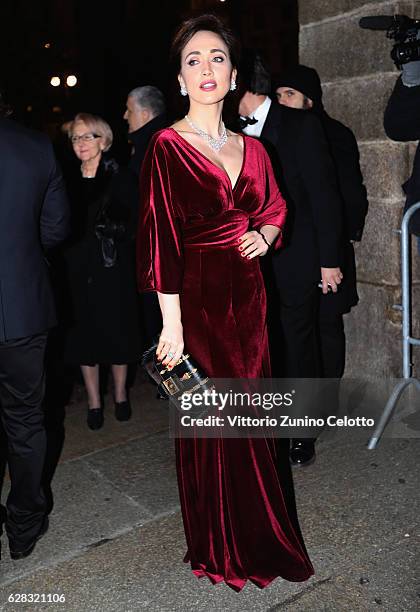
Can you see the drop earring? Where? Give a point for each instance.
(183, 91)
(232, 85)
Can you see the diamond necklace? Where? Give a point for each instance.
(214, 143)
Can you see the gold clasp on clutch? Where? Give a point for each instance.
(188, 375)
(181, 359)
(171, 386)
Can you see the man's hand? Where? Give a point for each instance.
(332, 277)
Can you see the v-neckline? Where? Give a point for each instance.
(225, 174)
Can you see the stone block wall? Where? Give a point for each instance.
(358, 76)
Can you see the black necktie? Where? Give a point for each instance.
(244, 121)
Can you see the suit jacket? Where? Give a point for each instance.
(346, 158)
(402, 123)
(34, 217)
(345, 155)
(300, 154)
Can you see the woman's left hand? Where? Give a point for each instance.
(252, 244)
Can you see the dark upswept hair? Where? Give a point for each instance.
(208, 22)
(255, 75)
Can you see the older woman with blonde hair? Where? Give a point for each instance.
(104, 327)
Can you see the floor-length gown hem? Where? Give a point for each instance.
(237, 584)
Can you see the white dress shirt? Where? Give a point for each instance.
(260, 114)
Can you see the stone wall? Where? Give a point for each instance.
(358, 76)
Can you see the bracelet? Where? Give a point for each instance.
(264, 238)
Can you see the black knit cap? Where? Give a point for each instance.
(303, 79)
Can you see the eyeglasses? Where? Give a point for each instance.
(84, 138)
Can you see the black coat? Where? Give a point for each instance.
(346, 158)
(140, 140)
(345, 155)
(402, 123)
(150, 314)
(103, 326)
(307, 177)
(34, 216)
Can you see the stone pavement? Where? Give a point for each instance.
(116, 541)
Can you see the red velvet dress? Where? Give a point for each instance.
(237, 523)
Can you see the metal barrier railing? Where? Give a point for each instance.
(408, 340)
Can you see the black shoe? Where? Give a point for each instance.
(95, 418)
(123, 411)
(302, 451)
(21, 554)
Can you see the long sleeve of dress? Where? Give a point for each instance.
(159, 244)
(274, 210)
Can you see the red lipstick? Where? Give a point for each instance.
(208, 85)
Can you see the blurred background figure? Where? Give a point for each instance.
(34, 217)
(300, 88)
(402, 123)
(145, 114)
(99, 258)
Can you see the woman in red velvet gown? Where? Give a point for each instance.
(210, 207)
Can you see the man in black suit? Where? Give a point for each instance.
(34, 217)
(312, 252)
(300, 88)
(145, 114)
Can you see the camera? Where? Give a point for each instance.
(401, 28)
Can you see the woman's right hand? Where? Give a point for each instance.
(171, 344)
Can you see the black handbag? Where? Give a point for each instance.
(185, 377)
(109, 230)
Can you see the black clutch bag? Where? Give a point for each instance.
(109, 232)
(185, 377)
